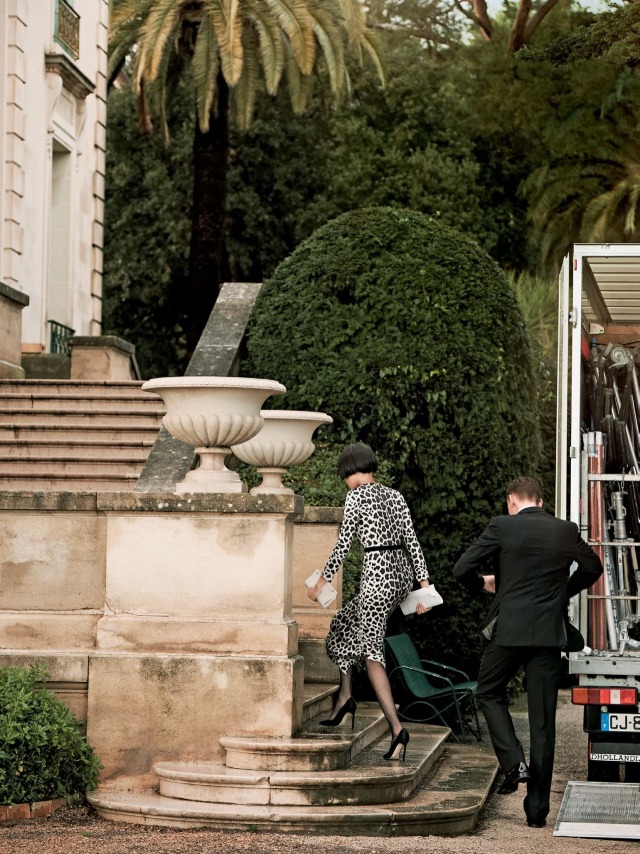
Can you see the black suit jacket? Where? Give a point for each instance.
(531, 554)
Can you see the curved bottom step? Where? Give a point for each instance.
(448, 803)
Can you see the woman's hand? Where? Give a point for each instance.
(314, 592)
(420, 608)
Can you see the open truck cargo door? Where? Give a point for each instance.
(598, 448)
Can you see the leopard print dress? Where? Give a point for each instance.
(377, 516)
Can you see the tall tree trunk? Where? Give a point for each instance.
(207, 249)
(482, 18)
(516, 36)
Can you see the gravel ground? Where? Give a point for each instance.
(501, 829)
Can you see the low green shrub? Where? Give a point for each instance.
(43, 754)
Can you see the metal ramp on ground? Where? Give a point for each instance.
(600, 811)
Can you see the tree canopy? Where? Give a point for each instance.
(226, 48)
(523, 154)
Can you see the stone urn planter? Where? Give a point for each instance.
(284, 441)
(213, 413)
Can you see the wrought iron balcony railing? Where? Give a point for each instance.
(67, 28)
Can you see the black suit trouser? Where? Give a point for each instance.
(542, 668)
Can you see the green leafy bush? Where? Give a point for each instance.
(409, 335)
(43, 754)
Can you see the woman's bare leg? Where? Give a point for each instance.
(380, 683)
(344, 692)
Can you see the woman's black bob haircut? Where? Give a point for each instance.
(356, 458)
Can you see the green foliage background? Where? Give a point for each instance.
(43, 754)
(509, 150)
(411, 337)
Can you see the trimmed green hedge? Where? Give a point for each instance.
(43, 754)
(409, 335)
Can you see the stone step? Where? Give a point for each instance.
(317, 700)
(84, 387)
(74, 435)
(49, 467)
(74, 448)
(38, 482)
(369, 779)
(317, 749)
(78, 420)
(43, 402)
(447, 803)
(89, 432)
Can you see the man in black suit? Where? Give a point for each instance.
(531, 553)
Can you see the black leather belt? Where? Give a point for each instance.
(383, 548)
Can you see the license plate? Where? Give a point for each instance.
(618, 722)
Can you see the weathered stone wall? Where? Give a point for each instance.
(166, 621)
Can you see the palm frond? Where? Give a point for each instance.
(237, 39)
(244, 94)
(270, 42)
(123, 12)
(156, 32)
(227, 25)
(368, 40)
(205, 66)
(633, 193)
(299, 87)
(329, 38)
(294, 20)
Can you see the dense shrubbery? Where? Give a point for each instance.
(410, 336)
(43, 754)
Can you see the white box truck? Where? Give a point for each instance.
(598, 487)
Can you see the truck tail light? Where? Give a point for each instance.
(604, 696)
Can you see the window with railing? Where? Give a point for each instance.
(61, 335)
(67, 28)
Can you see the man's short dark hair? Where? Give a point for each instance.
(525, 487)
(357, 458)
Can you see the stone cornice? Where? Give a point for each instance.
(13, 295)
(73, 79)
(150, 502)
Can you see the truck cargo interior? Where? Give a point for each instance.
(598, 487)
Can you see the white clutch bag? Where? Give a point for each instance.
(328, 594)
(427, 596)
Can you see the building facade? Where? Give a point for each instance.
(53, 89)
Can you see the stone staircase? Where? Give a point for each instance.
(75, 435)
(325, 781)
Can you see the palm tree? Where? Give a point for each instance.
(589, 191)
(584, 199)
(228, 47)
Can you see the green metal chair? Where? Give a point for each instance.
(431, 691)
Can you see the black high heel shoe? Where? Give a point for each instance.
(349, 708)
(402, 738)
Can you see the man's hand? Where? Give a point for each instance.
(314, 592)
(489, 583)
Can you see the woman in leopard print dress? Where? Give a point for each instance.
(379, 518)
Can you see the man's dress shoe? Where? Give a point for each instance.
(518, 774)
(542, 823)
